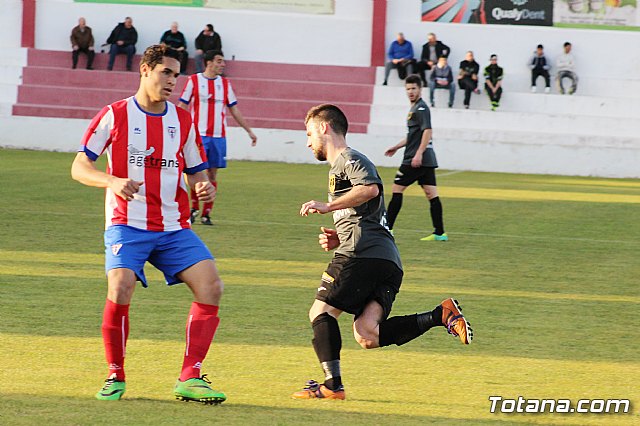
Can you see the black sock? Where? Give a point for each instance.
(436, 215)
(400, 330)
(327, 343)
(394, 208)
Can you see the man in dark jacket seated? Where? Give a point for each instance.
(123, 39)
(207, 40)
(175, 39)
(431, 51)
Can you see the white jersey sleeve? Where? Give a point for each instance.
(231, 96)
(187, 92)
(195, 158)
(98, 135)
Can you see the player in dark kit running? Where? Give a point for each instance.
(365, 273)
(419, 162)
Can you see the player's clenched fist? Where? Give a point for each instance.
(328, 240)
(125, 188)
(205, 191)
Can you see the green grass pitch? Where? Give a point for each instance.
(546, 268)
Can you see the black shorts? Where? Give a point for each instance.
(406, 175)
(349, 284)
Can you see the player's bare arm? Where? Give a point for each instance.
(358, 195)
(416, 161)
(84, 171)
(391, 151)
(328, 239)
(183, 105)
(237, 115)
(203, 187)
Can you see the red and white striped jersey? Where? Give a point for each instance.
(208, 100)
(153, 148)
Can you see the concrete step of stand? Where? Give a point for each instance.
(249, 87)
(238, 69)
(521, 82)
(388, 119)
(522, 102)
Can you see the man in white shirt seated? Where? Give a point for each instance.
(566, 69)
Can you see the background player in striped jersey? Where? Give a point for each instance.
(209, 95)
(151, 145)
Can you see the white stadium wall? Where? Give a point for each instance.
(11, 24)
(536, 139)
(340, 39)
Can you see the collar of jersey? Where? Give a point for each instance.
(166, 108)
(207, 78)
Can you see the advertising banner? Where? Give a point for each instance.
(596, 13)
(326, 7)
(320, 7)
(593, 14)
(497, 12)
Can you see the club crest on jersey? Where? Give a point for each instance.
(115, 249)
(172, 131)
(332, 183)
(410, 116)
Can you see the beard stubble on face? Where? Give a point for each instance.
(320, 154)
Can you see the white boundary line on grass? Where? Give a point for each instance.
(453, 172)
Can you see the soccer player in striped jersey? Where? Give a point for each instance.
(208, 96)
(151, 145)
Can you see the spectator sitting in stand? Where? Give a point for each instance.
(566, 69)
(442, 78)
(540, 67)
(207, 40)
(82, 42)
(468, 77)
(431, 51)
(123, 39)
(175, 39)
(493, 81)
(400, 56)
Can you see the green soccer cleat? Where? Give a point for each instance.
(198, 389)
(436, 237)
(112, 389)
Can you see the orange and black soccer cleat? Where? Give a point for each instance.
(455, 322)
(314, 390)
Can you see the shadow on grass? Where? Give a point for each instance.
(18, 409)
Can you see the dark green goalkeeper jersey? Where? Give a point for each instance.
(363, 229)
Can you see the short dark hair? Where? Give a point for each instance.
(493, 56)
(442, 57)
(210, 27)
(566, 43)
(153, 55)
(210, 55)
(330, 114)
(540, 46)
(414, 79)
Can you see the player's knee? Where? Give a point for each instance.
(431, 193)
(314, 313)
(365, 342)
(366, 337)
(216, 288)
